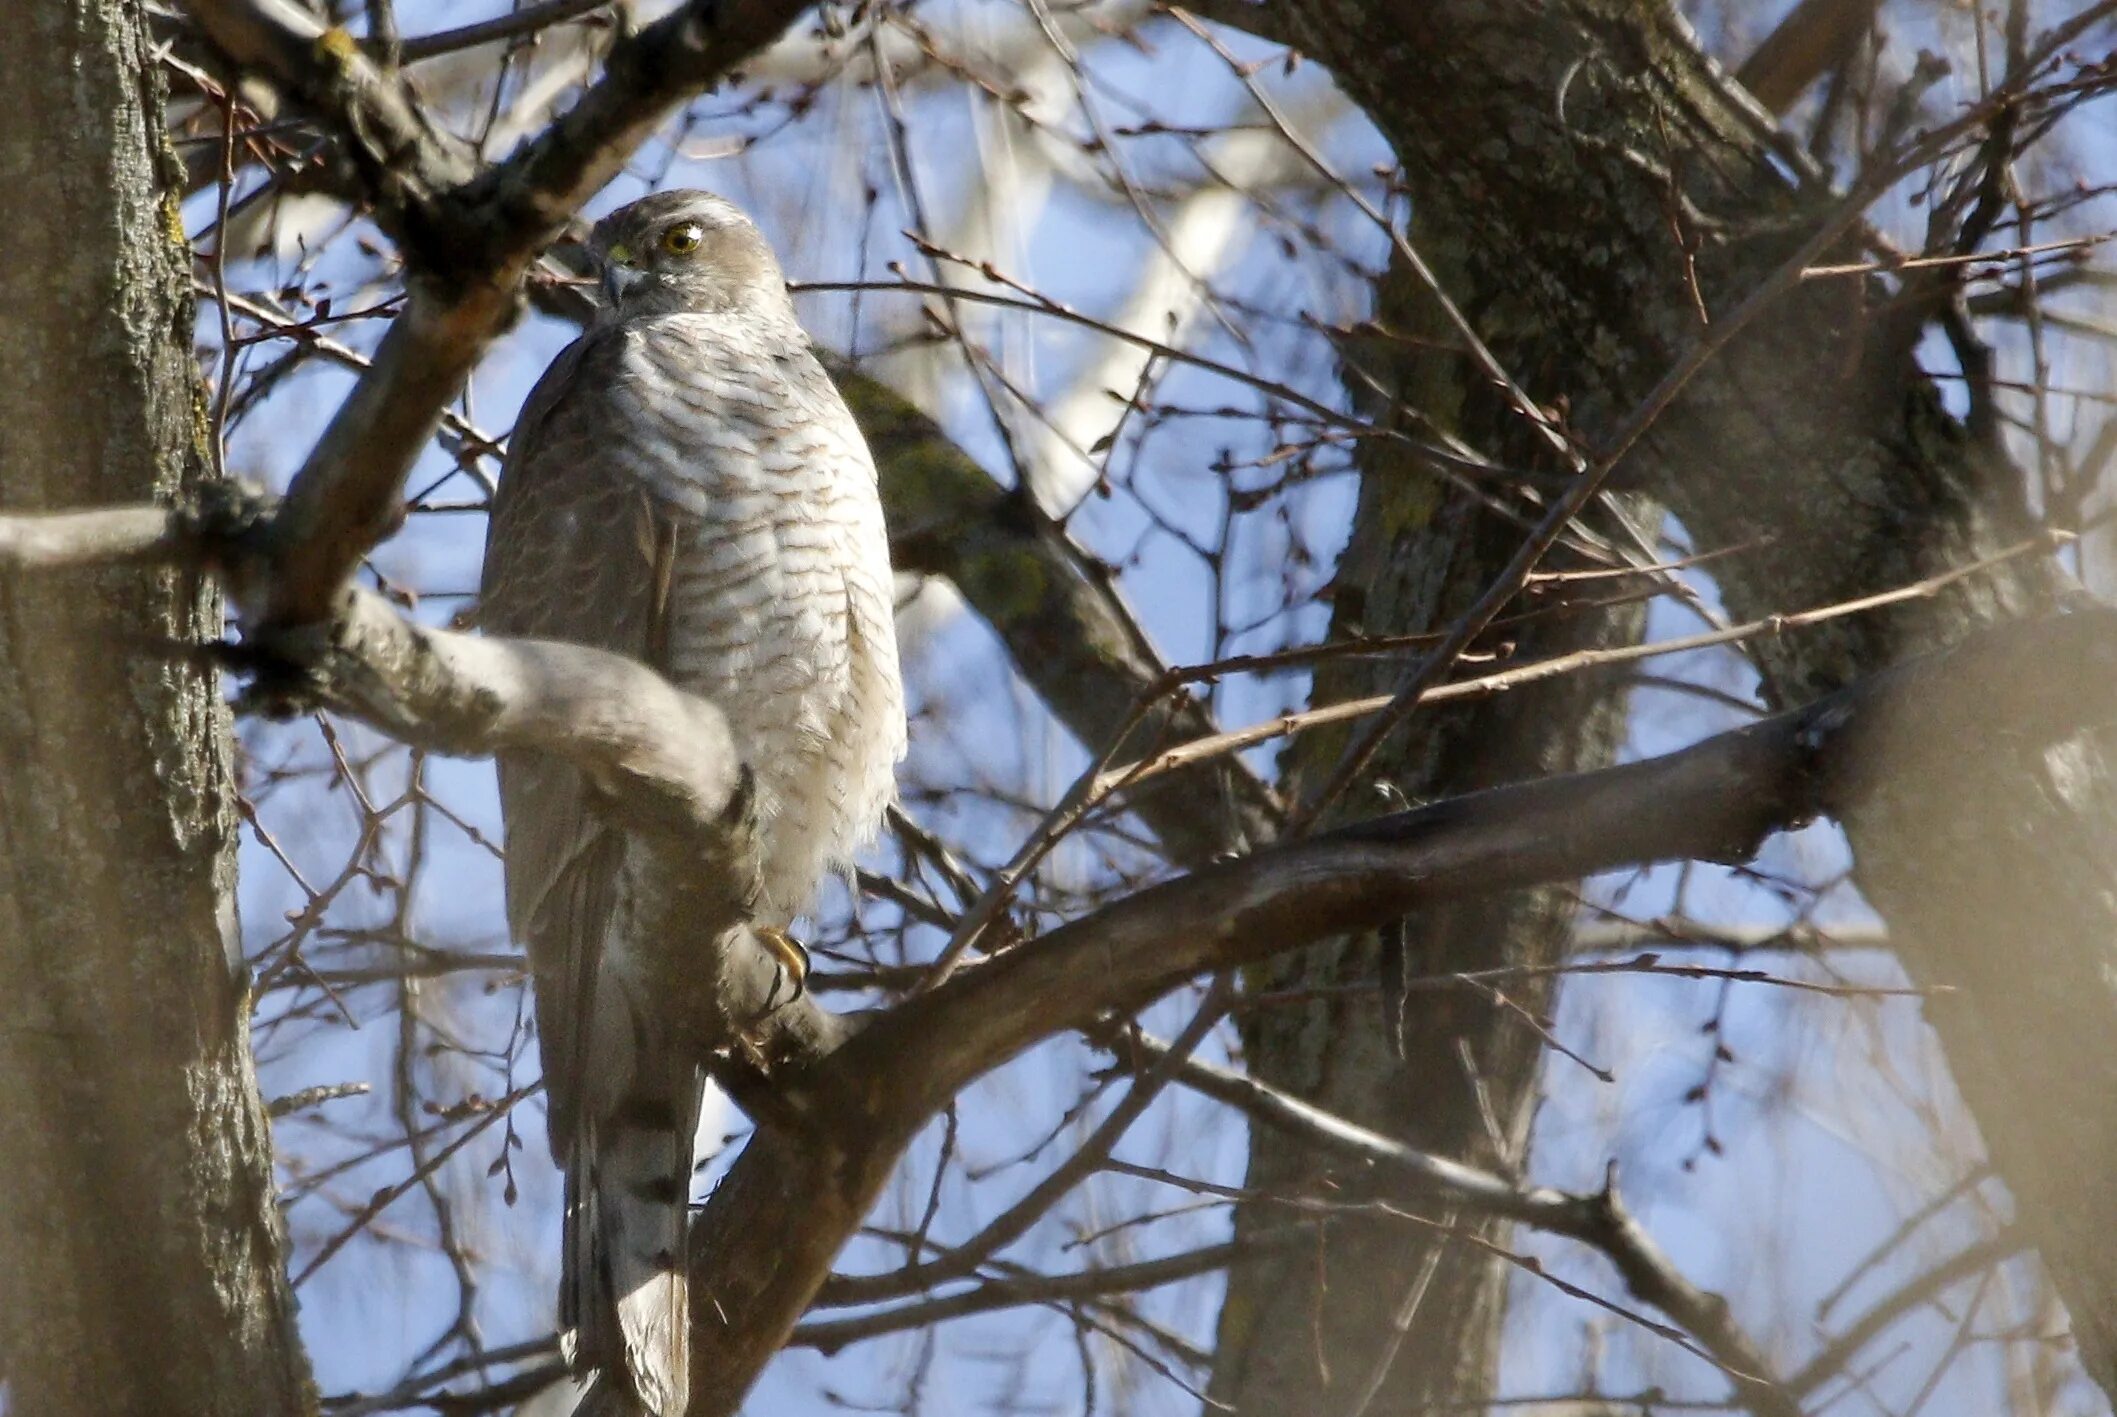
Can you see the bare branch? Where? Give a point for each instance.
(116, 537)
(530, 20)
(1598, 1221)
(1973, 1259)
(1182, 755)
(849, 1102)
(963, 1260)
(469, 237)
(665, 765)
(1061, 616)
(314, 1097)
(1716, 800)
(1008, 1291)
(1816, 36)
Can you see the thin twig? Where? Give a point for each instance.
(527, 21)
(1198, 750)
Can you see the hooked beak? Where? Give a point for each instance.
(619, 275)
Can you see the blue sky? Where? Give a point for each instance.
(1835, 1116)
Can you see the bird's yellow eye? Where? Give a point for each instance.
(683, 238)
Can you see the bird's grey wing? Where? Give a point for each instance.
(578, 551)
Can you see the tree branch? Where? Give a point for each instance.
(962, 1261)
(663, 761)
(1716, 800)
(469, 237)
(51, 540)
(1064, 622)
(847, 1102)
(1971, 1260)
(1809, 41)
(1012, 1291)
(1599, 1221)
(521, 24)
(665, 766)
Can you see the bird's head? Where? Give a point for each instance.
(684, 251)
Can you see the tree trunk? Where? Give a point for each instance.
(1352, 1326)
(1995, 869)
(140, 1246)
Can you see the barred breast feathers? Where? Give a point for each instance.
(782, 599)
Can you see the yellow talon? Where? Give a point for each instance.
(792, 955)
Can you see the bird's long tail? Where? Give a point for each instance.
(623, 1293)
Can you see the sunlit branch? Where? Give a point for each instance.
(1715, 800)
(851, 1101)
(523, 23)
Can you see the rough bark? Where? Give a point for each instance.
(141, 1268)
(1817, 430)
(1317, 1329)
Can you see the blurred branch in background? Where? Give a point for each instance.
(1221, 368)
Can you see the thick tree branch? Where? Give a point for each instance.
(2013, 690)
(666, 767)
(50, 540)
(849, 1101)
(1717, 800)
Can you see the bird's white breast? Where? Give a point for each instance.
(780, 593)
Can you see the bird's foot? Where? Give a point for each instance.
(284, 669)
(791, 962)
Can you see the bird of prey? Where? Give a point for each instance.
(684, 486)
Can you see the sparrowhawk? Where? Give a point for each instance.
(684, 486)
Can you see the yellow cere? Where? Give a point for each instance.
(620, 253)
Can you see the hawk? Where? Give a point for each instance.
(684, 486)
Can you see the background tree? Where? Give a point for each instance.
(1511, 387)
